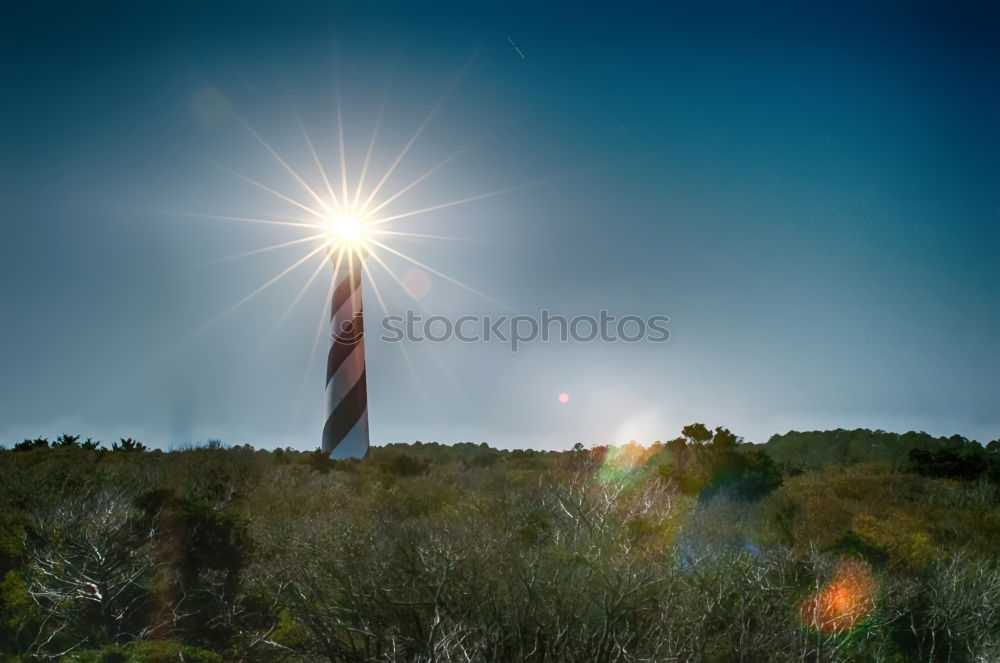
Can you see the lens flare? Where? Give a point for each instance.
(843, 602)
(622, 462)
(346, 224)
(417, 282)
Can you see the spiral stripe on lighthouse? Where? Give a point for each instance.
(345, 434)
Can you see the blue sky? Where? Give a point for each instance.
(811, 195)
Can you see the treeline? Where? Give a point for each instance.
(65, 440)
(702, 548)
(815, 449)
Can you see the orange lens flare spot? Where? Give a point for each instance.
(564, 397)
(844, 602)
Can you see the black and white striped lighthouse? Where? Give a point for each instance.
(345, 434)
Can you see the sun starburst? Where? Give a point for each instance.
(347, 220)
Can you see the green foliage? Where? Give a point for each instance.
(127, 445)
(697, 433)
(698, 549)
(910, 520)
(201, 551)
(320, 461)
(965, 464)
(710, 463)
(30, 445)
(400, 464)
(19, 615)
(748, 475)
(817, 449)
(67, 440)
(156, 651)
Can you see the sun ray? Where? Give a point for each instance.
(461, 201)
(273, 192)
(316, 160)
(378, 295)
(350, 263)
(416, 135)
(398, 280)
(340, 130)
(253, 294)
(265, 249)
(368, 155)
(336, 263)
(393, 274)
(441, 274)
(412, 184)
(315, 343)
(284, 163)
(244, 219)
(451, 238)
(402, 346)
(292, 304)
(423, 307)
(348, 211)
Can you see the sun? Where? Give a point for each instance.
(345, 224)
(345, 229)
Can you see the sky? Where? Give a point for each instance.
(810, 193)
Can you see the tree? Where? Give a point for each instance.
(403, 465)
(87, 572)
(948, 464)
(723, 439)
(66, 440)
(127, 445)
(203, 550)
(696, 433)
(29, 445)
